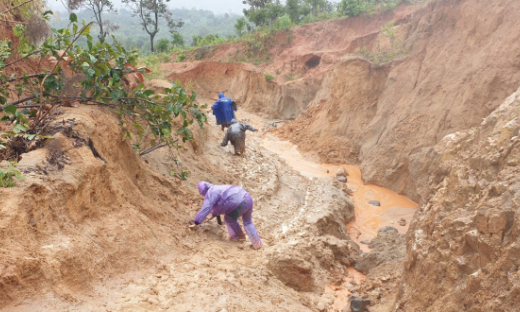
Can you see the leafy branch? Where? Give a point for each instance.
(101, 74)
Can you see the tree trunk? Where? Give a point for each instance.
(151, 42)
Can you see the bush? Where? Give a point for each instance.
(104, 67)
(284, 23)
(162, 45)
(240, 26)
(269, 77)
(8, 174)
(181, 57)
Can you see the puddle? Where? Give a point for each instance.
(369, 218)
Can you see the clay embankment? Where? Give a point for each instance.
(463, 249)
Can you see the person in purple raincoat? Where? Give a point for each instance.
(232, 202)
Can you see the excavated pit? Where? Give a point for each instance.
(112, 236)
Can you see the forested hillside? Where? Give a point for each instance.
(131, 34)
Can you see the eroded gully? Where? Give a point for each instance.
(395, 210)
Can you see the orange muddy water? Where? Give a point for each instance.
(391, 212)
(369, 218)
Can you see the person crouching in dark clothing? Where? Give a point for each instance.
(237, 135)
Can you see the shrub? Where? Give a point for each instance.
(162, 45)
(8, 174)
(284, 23)
(104, 67)
(181, 57)
(269, 77)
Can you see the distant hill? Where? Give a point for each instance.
(131, 34)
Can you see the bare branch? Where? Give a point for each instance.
(23, 58)
(24, 99)
(15, 7)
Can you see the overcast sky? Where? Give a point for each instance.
(217, 6)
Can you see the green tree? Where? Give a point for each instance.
(149, 12)
(316, 5)
(284, 23)
(292, 7)
(97, 7)
(240, 26)
(351, 7)
(177, 40)
(105, 70)
(163, 45)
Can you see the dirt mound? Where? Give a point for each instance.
(248, 86)
(64, 229)
(301, 58)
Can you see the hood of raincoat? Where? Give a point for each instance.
(204, 187)
(220, 95)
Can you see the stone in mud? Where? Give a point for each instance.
(342, 172)
(357, 304)
(342, 179)
(374, 203)
(389, 246)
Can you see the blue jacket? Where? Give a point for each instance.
(223, 110)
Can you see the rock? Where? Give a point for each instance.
(342, 172)
(342, 179)
(402, 222)
(292, 271)
(374, 203)
(365, 242)
(388, 246)
(357, 304)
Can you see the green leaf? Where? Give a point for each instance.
(115, 95)
(19, 128)
(176, 109)
(11, 109)
(73, 18)
(148, 92)
(90, 73)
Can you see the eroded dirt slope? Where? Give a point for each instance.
(113, 236)
(463, 249)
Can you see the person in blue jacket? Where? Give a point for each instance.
(224, 110)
